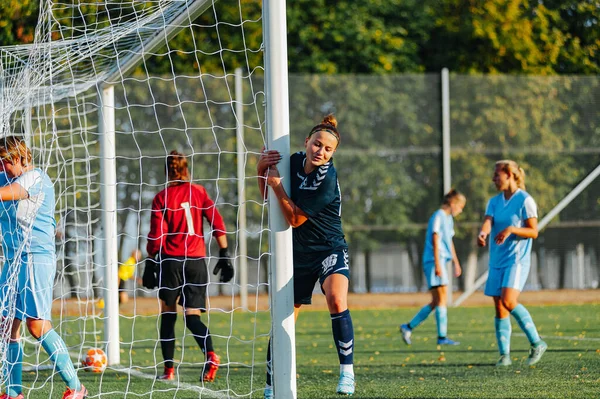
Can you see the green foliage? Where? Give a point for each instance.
(17, 21)
(516, 36)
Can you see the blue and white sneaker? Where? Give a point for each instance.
(536, 352)
(268, 392)
(346, 384)
(447, 341)
(504, 361)
(406, 333)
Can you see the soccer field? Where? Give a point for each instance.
(385, 367)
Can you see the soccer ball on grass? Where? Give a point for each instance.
(95, 361)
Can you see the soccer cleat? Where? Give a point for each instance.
(535, 352)
(210, 367)
(268, 392)
(504, 361)
(447, 341)
(346, 384)
(406, 333)
(168, 374)
(74, 394)
(5, 396)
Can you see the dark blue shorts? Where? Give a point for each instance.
(308, 268)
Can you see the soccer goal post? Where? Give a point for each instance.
(593, 175)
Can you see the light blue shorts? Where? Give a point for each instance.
(33, 286)
(506, 277)
(432, 279)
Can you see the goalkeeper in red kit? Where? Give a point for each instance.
(176, 241)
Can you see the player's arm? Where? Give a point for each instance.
(457, 268)
(13, 192)
(158, 225)
(266, 160)
(530, 230)
(435, 241)
(292, 213)
(486, 228)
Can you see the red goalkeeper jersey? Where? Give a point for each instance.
(176, 223)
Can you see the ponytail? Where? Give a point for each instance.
(177, 167)
(453, 196)
(509, 166)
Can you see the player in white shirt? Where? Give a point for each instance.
(511, 219)
(28, 231)
(439, 250)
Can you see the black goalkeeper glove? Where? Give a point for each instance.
(150, 276)
(224, 266)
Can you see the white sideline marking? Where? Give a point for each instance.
(183, 385)
(548, 337)
(139, 374)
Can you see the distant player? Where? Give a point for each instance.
(126, 272)
(28, 232)
(439, 251)
(319, 248)
(176, 238)
(511, 218)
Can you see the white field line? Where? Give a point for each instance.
(139, 374)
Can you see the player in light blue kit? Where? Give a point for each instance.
(511, 219)
(439, 250)
(28, 229)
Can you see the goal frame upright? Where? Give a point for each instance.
(281, 286)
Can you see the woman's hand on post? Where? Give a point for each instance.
(273, 177)
(267, 159)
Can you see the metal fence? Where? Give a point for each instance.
(390, 165)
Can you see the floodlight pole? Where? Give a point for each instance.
(108, 201)
(281, 292)
(447, 176)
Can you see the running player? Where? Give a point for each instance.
(28, 233)
(176, 237)
(319, 249)
(439, 250)
(511, 218)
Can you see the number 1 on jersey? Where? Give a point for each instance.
(188, 217)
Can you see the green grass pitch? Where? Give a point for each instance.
(385, 367)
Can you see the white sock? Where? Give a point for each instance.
(347, 368)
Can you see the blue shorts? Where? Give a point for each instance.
(432, 279)
(308, 268)
(507, 277)
(35, 281)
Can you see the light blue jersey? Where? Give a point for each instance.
(512, 212)
(442, 224)
(29, 222)
(28, 229)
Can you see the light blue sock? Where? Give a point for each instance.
(503, 331)
(441, 317)
(14, 358)
(57, 350)
(420, 317)
(522, 316)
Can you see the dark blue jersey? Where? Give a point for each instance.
(318, 195)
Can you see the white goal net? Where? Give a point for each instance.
(105, 92)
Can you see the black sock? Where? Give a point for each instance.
(343, 335)
(269, 371)
(200, 332)
(167, 337)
